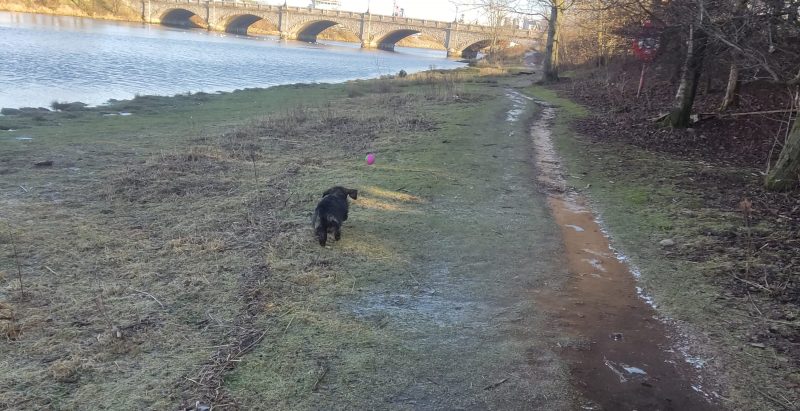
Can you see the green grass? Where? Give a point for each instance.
(161, 244)
(634, 191)
(434, 221)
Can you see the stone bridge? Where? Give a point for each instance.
(305, 23)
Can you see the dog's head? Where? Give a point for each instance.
(341, 192)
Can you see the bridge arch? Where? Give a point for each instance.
(309, 30)
(390, 39)
(240, 23)
(179, 17)
(471, 50)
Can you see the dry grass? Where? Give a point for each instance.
(438, 85)
(344, 129)
(156, 274)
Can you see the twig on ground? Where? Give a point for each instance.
(252, 344)
(495, 385)
(775, 400)
(791, 324)
(19, 267)
(287, 325)
(319, 379)
(754, 304)
(752, 283)
(192, 380)
(723, 115)
(149, 295)
(283, 140)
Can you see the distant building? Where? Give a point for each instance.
(533, 24)
(326, 4)
(398, 12)
(511, 22)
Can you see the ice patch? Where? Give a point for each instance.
(696, 362)
(629, 372)
(634, 370)
(596, 253)
(518, 105)
(595, 263)
(646, 298)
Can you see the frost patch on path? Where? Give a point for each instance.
(424, 303)
(519, 102)
(623, 371)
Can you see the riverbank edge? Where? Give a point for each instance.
(637, 210)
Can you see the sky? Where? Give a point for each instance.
(443, 10)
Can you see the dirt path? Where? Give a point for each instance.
(450, 289)
(436, 273)
(620, 352)
(462, 284)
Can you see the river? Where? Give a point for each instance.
(44, 58)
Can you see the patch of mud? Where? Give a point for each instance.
(629, 362)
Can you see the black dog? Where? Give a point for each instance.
(331, 212)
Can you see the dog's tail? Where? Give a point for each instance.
(314, 218)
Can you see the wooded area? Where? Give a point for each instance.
(727, 43)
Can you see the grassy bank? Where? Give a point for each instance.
(160, 252)
(97, 9)
(645, 198)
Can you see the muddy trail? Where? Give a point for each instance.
(429, 301)
(468, 277)
(460, 282)
(621, 354)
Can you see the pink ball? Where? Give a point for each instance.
(370, 158)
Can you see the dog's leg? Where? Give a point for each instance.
(322, 232)
(337, 233)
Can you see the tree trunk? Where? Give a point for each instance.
(786, 172)
(731, 98)
(550, 65)
(736, 30)
(679, 117)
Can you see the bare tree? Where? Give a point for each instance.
(737, 28)
(680, 114)
(762, 34)
(494, 12)
(551, 61)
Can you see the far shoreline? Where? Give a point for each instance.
(106, 98)
(133, 16)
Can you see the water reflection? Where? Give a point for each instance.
(45, 58)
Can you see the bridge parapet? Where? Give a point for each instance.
(305, 23)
